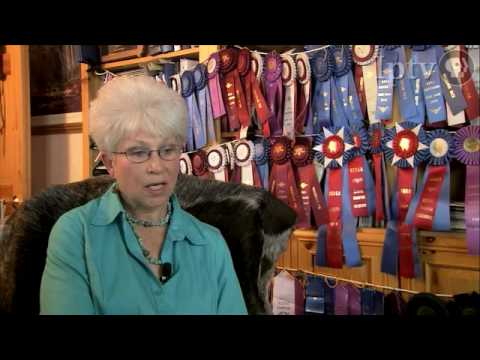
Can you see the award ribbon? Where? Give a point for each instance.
(332, 150)
(467, 151)
(405, 148)
(282, 178)
(362, 193)
(303, 101)
(217, 161)
(430, 208)
(366, 57)
(262, 155)
(289, 91)
(308, 184)
(213, 66)
(273, 83)
(203, 99)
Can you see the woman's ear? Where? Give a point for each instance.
(107, 160)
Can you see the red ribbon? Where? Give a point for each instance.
(283, 186)
(312, 195)
(405, 195)
(427, 204)
(360, 86)
(468, 86)
(377, 169)
(235, 100)
(358, 194)
(334, 242)
(255, 99)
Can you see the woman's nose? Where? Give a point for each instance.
(155, 164)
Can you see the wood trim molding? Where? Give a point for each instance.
(68, 128)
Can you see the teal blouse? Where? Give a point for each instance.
(95, 266)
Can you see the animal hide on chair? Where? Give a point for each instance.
(255, 225)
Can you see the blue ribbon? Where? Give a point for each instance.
(387, 59)
(190, 142)
(419, 102)
(321, 105)
(261, 160)
(321, 254)
(431, 85)
(404, 88)
(197, 128)
(441, 219)
(349, 232)
(338, 114)
(315, 295)
(349, 98)
(308, 130)
(369, 186)
(390, 246)
(368, 301)
(203, 103)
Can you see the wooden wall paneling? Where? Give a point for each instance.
(15, 143)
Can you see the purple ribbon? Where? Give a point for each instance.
(471, 159)
(472, 209)
(341, 299)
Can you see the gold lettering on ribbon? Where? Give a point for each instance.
(405, 191)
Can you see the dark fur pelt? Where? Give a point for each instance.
(255, 225)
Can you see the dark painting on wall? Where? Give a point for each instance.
(54, 80)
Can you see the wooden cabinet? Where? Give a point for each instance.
(446, 266)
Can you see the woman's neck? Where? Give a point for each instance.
(140, 213)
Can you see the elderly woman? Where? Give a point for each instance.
(134, 250)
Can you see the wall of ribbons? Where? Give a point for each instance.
(347, 136)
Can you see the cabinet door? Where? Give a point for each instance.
(371, 245)
(446, 265)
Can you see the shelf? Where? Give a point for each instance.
(192, 53)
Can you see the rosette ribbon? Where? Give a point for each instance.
(405, 148)
(255, 100)
(345, 84)
(232, 91)
(303, 100)
(282, 178)
(195, 131)
(217, 162)
(199, 164)
(362, 190)
(381, 187)
(273, 86)
(289, 75)
(262, 156)
(309, 186)
(426, 69)
(430, 208)
(245, 169)
(215, 90)
(365, 58)
(203, 99)
(339, 236)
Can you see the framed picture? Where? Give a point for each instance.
(110, 53)
(54, 80)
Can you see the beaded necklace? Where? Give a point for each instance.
(132, 221)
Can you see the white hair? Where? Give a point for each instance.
(125, 105)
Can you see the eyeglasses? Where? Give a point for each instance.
(137, 156)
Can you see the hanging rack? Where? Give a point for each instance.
(363, 284)
(289, 51)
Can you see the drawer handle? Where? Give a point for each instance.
(430, 239)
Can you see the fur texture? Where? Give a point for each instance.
(255, 225)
